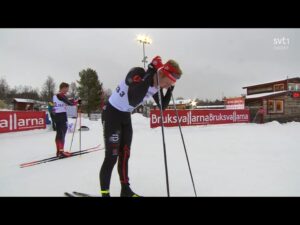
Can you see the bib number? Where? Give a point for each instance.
(121, 93)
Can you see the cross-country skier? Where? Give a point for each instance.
(60, 102)
(138, 86)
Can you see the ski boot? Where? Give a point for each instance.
(127, 192)
(105, 193)
(62, 154)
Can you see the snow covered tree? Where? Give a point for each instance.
(106, 94)
(90, 90)
(2, 104)
(4, 89)
(104, 97)
(23, 91)
(73, 90)
(48, 89)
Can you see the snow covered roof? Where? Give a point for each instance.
(264, 94)
(274, 82)
(210, 106)
(24, 100)
(179, 102)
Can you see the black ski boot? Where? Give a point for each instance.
(127, 192)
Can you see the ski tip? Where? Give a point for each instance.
(68, 194)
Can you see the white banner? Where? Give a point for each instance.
(71, 111)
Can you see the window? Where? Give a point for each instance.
(271, 106)
(275, 106)
(294, 87)
(258, 90)
(279, 87)
(279, 106)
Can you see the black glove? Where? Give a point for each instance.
(150, 72)
(151, 67)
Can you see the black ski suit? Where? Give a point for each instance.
(117, 128)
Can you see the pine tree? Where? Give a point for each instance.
(90, 90)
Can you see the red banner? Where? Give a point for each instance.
(12, 121)
(296, 95)
(235, 103)
(199, 117)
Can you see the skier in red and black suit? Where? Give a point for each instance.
(60, 102)
(138, 86)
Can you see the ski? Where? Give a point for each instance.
(78, 194)
(82, 152)
(54, 157)
(69, 194)
(81, 194)
(59, 158)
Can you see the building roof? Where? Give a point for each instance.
(23, 100)
(31, 101)
(210, 106)
(262, 95)
(179, 102)
(183, 101)
(274, 82)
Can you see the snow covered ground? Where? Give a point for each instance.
(226, 160)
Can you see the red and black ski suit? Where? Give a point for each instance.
(60, 116)
(116, 120)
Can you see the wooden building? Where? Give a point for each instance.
(21, 104)
(278, 100)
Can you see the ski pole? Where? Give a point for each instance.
(73, 133)
(79, 109)
(183, 142)
(163, 134)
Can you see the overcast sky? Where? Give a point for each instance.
(215, 62)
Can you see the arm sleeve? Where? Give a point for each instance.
(64, 99)
(138, 82)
